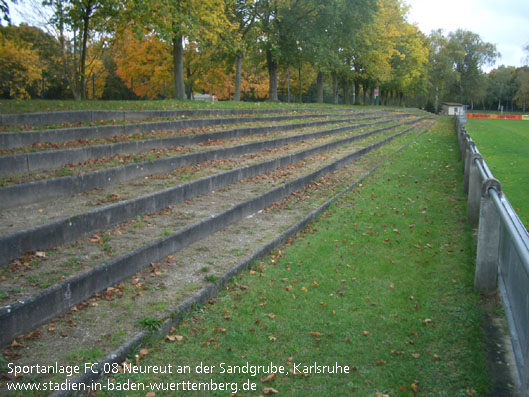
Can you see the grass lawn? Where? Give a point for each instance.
(381, 285)
(505, 146)
(37, 105)
(495, 112)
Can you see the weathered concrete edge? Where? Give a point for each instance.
(23, 316)
(69, 229)
(27, 162)
(30, 192)
(76, 116)
(201, 297)
(12, 140)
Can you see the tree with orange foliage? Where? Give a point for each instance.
(145, 65)
(178, 22)
(19, 69)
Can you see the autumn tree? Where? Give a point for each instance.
(335, 40)
(48, 52)
(377, 45)
(280, 22)
(501, 85)
(441, 73)
(144, 64)
(522, 93)
(114, 86)
(295, 78)
(48, 48)
(236, 43)
(20, 68)
(96, 71)
(469, 54)
(178, 22)
(353, 17)
(76, 22)
(409, 64)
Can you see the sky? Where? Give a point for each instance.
(504, 23)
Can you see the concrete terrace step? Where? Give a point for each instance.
(28, 162)
(24, 316)
(56, 187)
(180, 311)
(10, 140)
(89, 116)
(69, 229)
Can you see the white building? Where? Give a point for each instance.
(452, 109)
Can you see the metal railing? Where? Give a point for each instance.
(502, 258)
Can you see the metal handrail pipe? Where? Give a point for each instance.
(484, 170)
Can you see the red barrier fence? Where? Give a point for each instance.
(497, 116)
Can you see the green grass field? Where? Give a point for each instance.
(37, 105)
(495, 112)
(505, 146)
(381, 284)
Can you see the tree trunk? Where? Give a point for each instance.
(437, 99)
(288, 84)
(188, 77)
(238, 64)
(84, 46)
(300, 85)
(335, 88)
(272, 76)
(356, 94)
(461, 90)
(178, 63)
(319, 88)
(364, 93)
(62, 43)
(346, 94)
(75, 69)
(69, 68)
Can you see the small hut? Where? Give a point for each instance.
(452, 109)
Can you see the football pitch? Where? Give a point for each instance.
(504, 145)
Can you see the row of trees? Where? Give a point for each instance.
(456, 73)
(337, 50)
(507, 89)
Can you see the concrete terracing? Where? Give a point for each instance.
(281, 166)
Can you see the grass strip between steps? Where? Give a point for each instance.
(381, 286)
